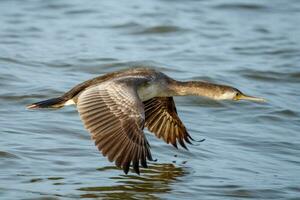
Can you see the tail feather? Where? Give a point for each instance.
(49, 103)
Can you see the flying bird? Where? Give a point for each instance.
(116, 107)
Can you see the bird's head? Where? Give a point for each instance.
(231, 93)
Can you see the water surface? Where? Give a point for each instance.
(251, 150)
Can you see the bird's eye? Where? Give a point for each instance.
(237, 95)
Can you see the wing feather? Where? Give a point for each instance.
(162, 119)
(114, 115)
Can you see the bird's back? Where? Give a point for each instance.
(133, 73)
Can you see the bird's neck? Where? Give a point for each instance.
(195, 88)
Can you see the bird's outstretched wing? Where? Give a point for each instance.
(114, 115)
(163, 121)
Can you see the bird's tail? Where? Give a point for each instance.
(49, 103)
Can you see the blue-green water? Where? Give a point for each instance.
(251, 150)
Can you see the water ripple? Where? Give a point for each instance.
(4, 154)
(241, 6)
(270, 76)
(163, 29)
(80, 12)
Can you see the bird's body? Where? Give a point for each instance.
(117, 106)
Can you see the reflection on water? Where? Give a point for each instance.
(155, 180)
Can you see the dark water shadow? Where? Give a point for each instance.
(152, 182)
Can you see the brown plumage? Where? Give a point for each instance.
(163, 121)
(117, 106)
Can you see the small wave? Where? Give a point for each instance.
(285, 113)
(81, 12)
(96, 60)
(160, 30)
(270, 76)
(13, 60)
(262, 30)
(4, 154)
(114, 66)
(284, 52)
(56, 6)
(255, 193)
(33, 29)
(241, 6)
(126, 25)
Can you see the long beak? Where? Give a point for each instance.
(251, 98)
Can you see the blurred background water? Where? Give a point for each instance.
(251, 150)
